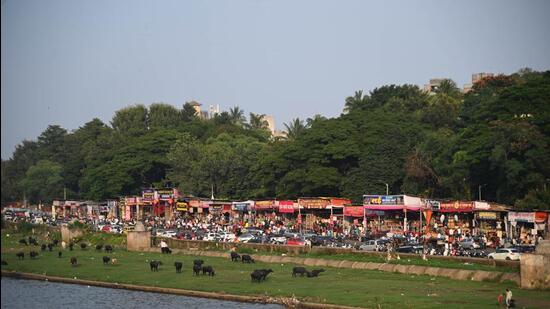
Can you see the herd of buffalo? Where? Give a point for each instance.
(258, 275)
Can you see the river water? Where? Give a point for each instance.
(20, 293)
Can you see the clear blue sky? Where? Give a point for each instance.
(66, 62)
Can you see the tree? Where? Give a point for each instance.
(355, 101)
(258, 122)
(51, 143)
(188, 113)
(131, 121)
(43, 182)
(295, 128)
(163, 116)
(237, 116)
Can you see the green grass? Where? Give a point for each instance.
(338, 286)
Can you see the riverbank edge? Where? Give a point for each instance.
(287, 302)
(456, 274)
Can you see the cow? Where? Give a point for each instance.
(33, 254)
(314, 273)
(23, 241)
(260, 275)
(198, 262)
(106, 260)
(178, 266)
(209, 270)
(59, 254)
(83, 245)
(166, 250)
(32, 241)
(20, 255)
(245, 258)
(298, 270)
(73, 261)
(43, 247)
(99, 247)
(235, 256)
(114, 261)
(108, 248)
(55, 242)
(155, 265)
(197, 269)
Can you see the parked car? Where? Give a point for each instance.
(410, 249)
(298, 241)
(374, 245)
(211, 236)
(277, 239)
(524, 248)
(245, 237)
(469, 243)
(505, 254)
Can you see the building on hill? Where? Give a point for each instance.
(433, 85)
(476, 77)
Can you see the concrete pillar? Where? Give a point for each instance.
(535, 268)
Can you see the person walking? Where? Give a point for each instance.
(508, 298)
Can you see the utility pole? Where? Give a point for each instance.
(64, 193)
(479, 190)
(387, 187)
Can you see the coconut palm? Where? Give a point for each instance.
(355, 101)
(295, 129)
(258, 122)
(237, 116)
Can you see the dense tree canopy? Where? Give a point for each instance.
(442, 145)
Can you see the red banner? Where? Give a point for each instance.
(339, 201)
(354, 211)
(541, 217)
(456, 206)
(316, 203)
(286, 206)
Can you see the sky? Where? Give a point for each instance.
(67, 62)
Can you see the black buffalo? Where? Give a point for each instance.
(298, 270)
(155, 265)
(260, 275)
(106, 260)
(235, 256)
(179, 266)
(59, 254)
(247, 258)
(108, 248)
(99, 247)
(43, 247)
(20, 255)
(197, 269)
(33, 254)
(315, 272)
(208, 270)
(73, 261)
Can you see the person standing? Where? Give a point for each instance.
(508, 298)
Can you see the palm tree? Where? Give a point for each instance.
(355, 101)
(448, 87)
(237, 116)
(295, 129)
(314, 119)
(258, 122)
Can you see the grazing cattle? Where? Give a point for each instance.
(235, 256)
(298, 270)
(33, 254)
(114, 261)
(71, 246)
(43, 247)
(245, 258)
(165, 250)
(208, 270)
(260, 275)
(55, 242)
(106, 260)
(59, 254)
(197, 269)
(23, 241)
(198, 262)
(50, 247)
(20, 255)
(108, 248)
(178, 266)
(32, 241)
(73, 261)
(4, 263)
(83, 245)
(99, 247)
(315, 272)
(155, 265)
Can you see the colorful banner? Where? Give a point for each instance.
(148, 195)
(383, 200)
(242, 207)
(182, 206)
(354, 211)
(487, 215)
(127, 213)
(130, 201)
(194, 203)
(313, 203)
(428, 215)
(264, 204)
(521, 216)
(541, 217)
(456, 206)
(433, 204)
(481, 205)
(339, 202)
(286, 207)
(165, 194)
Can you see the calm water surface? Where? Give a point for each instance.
(19, 293)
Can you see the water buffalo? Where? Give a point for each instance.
(260, 275)
(83, 245)
(108, 248)
(315, 272)
(106, 260)
(59, 254)
(235, 256)
(208, 270)
(20, 255)
(99, 247)
(33, 254)
(50, 247)
(198, 262)
(165, 250)
(245, 258)
(298, 270)
(178, 266)
(43, 247)
(73, 261)
(155, 265)
(197, 269)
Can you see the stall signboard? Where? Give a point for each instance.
(481, 205)
(354, 211)
(130, 200)
(487, 215)
(264, 204)
(313, 203)
(286, 206)
(433, 204)
(339, 202)
(182, 206)
(374, 213)
(205, 204)
(514, 216)
(194, 203)
(242, 207)
(456, 206)
(216, 208)
(148, 195)
(541, 217)
(165, 194)
(383, 200)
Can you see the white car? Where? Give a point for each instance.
(505, 254)
(211, 237)
(168, 233)
(245, 238)
(224, 236)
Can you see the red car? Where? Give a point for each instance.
(296, 241)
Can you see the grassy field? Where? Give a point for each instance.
(373, 289)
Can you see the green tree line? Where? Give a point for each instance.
(436, 145)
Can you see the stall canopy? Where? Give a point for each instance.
(456, 206)
(354, 211)
(286, 206)
(313, 203)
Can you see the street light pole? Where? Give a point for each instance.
(387, 187)
(479, 190)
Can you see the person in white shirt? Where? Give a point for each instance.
(508, 298)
